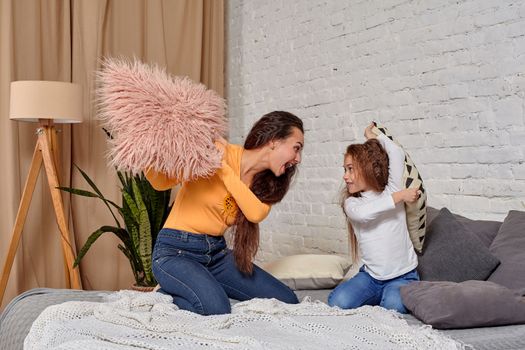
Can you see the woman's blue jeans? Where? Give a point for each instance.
(199, 272)
(363, 289)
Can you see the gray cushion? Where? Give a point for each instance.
(453, 252)
(463, 305)
(485, 230)
(431, 214)
(509, 247)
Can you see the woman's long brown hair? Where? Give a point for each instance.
(270, 189)
(370, 162)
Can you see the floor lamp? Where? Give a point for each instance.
(45, 102)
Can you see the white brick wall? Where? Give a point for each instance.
(446, 77)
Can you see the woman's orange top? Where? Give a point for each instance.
(209, 205)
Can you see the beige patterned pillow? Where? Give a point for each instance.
(416, 212)
(310, 271)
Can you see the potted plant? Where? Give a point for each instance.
(143, 213)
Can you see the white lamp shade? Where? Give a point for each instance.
(32, 100)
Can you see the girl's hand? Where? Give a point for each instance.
(408, 195)
(369, 134)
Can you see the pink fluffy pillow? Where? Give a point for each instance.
(161, 121)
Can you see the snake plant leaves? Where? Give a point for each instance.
(145, 245)
(119, 232)
(143, 211)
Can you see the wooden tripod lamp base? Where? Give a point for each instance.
(38, 101)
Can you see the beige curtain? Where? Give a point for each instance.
(64, 40)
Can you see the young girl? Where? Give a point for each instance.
(374, 205)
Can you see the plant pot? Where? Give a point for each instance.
(142, 288)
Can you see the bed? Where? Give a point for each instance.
(487, 300)
(17, 318)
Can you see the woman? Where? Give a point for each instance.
(190, 260)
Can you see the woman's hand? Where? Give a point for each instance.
(222, 140)
(221, 143)
(369, 134)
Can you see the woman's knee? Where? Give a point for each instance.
(205, 309)
(284, 293)
(218, 308)
(201, 294)
(261, 284)
(204, 302)
(288, 296)
(280, 292)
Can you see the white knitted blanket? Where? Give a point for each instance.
(133, 320)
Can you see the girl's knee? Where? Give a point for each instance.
(393, 302)
(342, 300)
(333, 301)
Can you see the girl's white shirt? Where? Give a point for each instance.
(380, 225)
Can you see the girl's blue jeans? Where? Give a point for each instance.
(363, 289)
(199, 272)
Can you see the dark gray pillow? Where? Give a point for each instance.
(463, 305)
(509, 247)
(431, 214)
(453, 253)
(485, 230)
